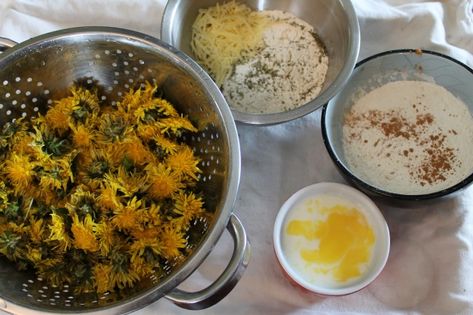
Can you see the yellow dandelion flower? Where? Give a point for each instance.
(134, 100)
(82, 136)
(113, 127)
(44, 195)
(189, 202)
(167, 145)
(123, 279)
(58, 232)
(183, 162)
(142, 115)
(83, 234)
(33, 254)
(113, 155)
(22, 144)
(56, 174)
(128, 217)
(141, 267)
(172, 240)
(106, 236)
(101, 274)
(103, 152)
(175, 125)
(131, 100)
(86, 104)
(153, 215)
(108, 197)
(143, 100)
(149, 90)
(93, 164)
(145, 247)
(58, 116)
(166, 108)
(188, 206)
(83, 203)
(128, 184)
(36, 230)
(51, 183)
(121, 275)
(162, 182)
(19, 170)
(114, 181)
(147, 132)
(132, 182)
(133, 149)
(49, 142)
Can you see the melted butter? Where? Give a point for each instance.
(345, 240)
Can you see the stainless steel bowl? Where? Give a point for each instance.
(333, 20)
(40, 70)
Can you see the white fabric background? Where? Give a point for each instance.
(430, 269)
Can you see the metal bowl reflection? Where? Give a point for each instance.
(335, 23)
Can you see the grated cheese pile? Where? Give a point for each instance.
(224, 34)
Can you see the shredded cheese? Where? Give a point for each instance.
(224, 34)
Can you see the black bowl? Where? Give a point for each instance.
(377, 70)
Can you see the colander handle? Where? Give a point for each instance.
(6, 43)
(226, 281)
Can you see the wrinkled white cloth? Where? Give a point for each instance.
(430, 268)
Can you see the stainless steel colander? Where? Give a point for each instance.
(35, 72)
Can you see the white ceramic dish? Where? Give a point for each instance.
(366, 207)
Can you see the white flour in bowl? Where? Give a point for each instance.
(409, 137)
(289, 72)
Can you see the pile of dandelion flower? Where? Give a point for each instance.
(99, 196)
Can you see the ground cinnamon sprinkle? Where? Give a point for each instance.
(412, 135)
(439, 158)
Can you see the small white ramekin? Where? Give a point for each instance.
(372, 214)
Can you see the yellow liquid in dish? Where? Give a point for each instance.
(330, 238)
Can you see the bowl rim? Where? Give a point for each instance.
(364, 185)
(169, 16)
(370, 210)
